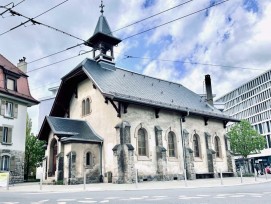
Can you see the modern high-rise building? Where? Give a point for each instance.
(252, 101)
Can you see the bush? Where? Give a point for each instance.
(246, 174)
(60, 182)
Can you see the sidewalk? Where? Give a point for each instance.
(200, 183)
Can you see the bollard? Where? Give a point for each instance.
(241, 174)
(85, 180)
(265, 173)
(221, 177)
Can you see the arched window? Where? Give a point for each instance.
(83, 107)
(4, 163)
(171, 144)
(89, 159)
(142, 142)
(87, 106)
(217, 146)
(196, 146)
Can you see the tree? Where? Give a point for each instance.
(244, 140)
(34, 151)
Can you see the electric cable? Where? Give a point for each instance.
(8, 9)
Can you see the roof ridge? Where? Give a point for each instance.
(12, 65)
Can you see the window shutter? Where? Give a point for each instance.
(15, 114)
(3, 107)
(9, 135)
(12, 166)
(1, 134)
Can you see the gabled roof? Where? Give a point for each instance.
(23, 92)
(69, 130)
(124, 85)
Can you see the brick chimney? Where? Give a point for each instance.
(22, 65)
(208, 86)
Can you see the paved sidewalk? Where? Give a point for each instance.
(35, 187)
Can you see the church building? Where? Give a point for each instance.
(108, 123)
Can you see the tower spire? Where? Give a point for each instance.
(102, 7)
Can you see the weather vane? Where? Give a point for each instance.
(102, 7)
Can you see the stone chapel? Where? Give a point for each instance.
(109, 123)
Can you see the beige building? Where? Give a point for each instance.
(110, 122)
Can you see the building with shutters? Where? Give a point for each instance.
(107, 123)
(15, 97)
(252, 101)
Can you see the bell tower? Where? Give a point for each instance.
(103, 42)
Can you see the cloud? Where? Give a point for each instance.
(235, 33)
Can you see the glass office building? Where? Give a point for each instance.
(252, 101)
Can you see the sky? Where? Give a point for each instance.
(233, 34)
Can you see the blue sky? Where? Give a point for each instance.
(235, 33)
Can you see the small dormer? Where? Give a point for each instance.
(103, 41)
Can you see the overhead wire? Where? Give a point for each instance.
(192, 62)
(141, 20)
(198, 11)
(8, 9)
(29, 19)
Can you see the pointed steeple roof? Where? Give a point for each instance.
(103, 27)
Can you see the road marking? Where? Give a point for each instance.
(204, 195)
(219, 197)
(39, 202)
(236, 196)
(61, 202)
(184, 198)
(64, 200)
(159, 196)
(153, 199)
(89, 198)
(136, 198)
(104, 201)
(256, 196)
(111, 198)
(87, 201)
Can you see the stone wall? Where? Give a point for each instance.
(16, 165)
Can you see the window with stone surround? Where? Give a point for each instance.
(217, 146)
(5, 135)
(196, 145)
(142, 142)
(172, 144)
(83, 108)
(89, 160)
(5, 162)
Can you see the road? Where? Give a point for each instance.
(255, 193)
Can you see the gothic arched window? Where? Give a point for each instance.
(87, 106)
(171, 144)
(83, 107)
(89, 161)
(142, 142)
(4, 163)
(217, 146)
(196, 145)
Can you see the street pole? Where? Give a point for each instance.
(8, 181)
(241, 174)
(265, 173)
(84, 179)
(255, 174)
(41, 177)
(184, 155)
(221, 177)
(136, 180)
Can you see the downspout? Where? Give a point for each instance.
(101, 162)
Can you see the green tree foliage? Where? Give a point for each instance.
(34, 151)
(245, 140)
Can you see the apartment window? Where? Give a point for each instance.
(142, 142)
(171, 144)
(11, 84)
(5, 163)
(196, 143)
(5, 135)
(9, 109)
(269, 141)
(83, 108)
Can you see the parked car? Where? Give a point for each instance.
(268, 169)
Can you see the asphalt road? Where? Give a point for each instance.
(255, 193)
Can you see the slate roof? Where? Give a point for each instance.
(103, 27)
(72, 130)
(23, 91)
(130, 86)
